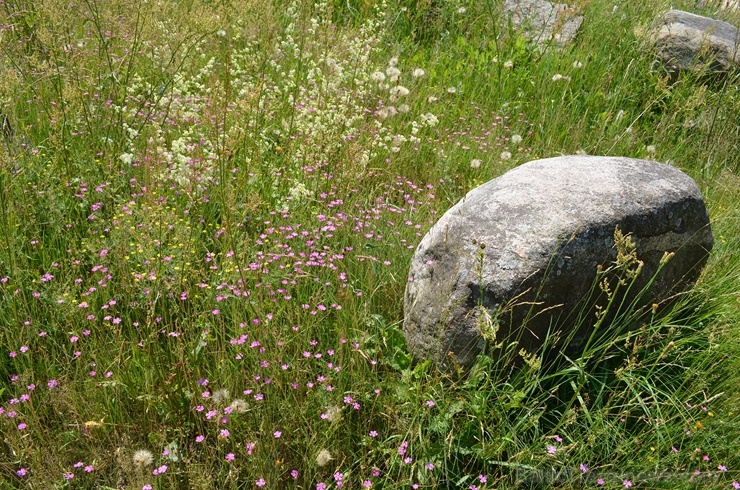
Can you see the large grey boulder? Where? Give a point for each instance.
(531, 241)
(686, 41)
(544, 23)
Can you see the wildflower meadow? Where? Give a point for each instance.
(207, 215)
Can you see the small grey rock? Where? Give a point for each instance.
(543, 22)
(686, 41)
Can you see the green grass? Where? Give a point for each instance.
(207, 214)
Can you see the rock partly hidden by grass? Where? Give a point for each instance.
(539, 251)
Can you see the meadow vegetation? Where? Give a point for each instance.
(207, 214)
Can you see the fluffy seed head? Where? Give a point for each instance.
(323, 458)
(143, 458)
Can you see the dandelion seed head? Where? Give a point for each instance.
(220, 396)
(323, 458)
(239, 406)
(378, 76)
(142, 458)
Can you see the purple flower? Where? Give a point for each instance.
(584, 468)
(260, 482)
(551, 449)
(402, 448)
(627, 483)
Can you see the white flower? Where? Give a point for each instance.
(508, 64)
(516, 139)
(403, 108)
(505, 155)
(429, 119)
(323, 457)
(651, 149)
(432, 99)
(378, 76)
(127, 158)
(475, 163)
(581, 152)
(462, 10)
(221, 33)
(577, 64)
(399, 139)
(298, 193)
(393, 61)
(451, 90)
(418, 73)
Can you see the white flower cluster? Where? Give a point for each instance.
(169, 112)
(311, 94)
(297, 194)
(389, 82)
